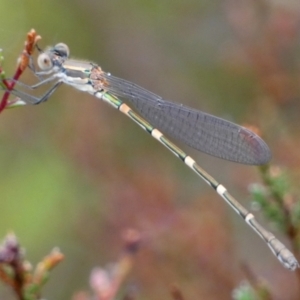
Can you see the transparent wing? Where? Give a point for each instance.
(197, 129)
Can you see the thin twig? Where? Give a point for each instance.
(32, 39)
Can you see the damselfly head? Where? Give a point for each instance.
(53, 57)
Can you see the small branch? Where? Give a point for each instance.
(106, 282)
(23, 61)
(18, 273)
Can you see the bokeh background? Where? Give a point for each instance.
(74, 173)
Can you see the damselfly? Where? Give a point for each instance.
(197, 129)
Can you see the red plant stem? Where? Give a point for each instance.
(10, 86)
(31, 41)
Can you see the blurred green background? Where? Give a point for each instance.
(76, 173)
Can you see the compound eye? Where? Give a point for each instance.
(62, 50)
(44, 61)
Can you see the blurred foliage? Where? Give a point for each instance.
(76, 173)
(16, 272)
(27, 282)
